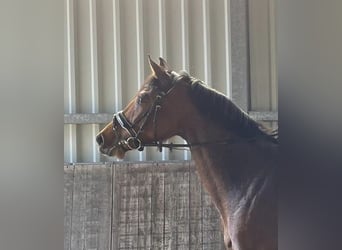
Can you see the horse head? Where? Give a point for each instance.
(154, 114)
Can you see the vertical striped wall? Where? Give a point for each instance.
(263, 73)
(227, 43)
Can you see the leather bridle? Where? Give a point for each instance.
(133, 141)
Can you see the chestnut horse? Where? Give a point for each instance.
(235, 157)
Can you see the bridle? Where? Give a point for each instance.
(133, 142)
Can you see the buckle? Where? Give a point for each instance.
(134, 143)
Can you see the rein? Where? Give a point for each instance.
(190, 145)
(133, 142)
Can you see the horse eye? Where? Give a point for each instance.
(141, 99)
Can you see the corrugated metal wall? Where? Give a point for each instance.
(227, 43)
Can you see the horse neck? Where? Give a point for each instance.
(224, 167)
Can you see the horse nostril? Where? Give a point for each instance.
(99, 139)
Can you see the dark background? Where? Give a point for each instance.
(309, 37)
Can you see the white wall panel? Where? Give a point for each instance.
(262, 56)
(70, 149)
(219, 41)
(177, 51)
(106, 48)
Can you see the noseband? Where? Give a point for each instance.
(133, 142)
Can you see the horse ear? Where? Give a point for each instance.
(163, 64)
(158, 71)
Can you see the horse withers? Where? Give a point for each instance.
(235, 157)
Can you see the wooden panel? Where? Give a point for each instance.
(79, 208)
(91, 211)
(177, 209)
(68, 204)
(183, 209)
(116, 204)
(211, 228)
(157, 208)
(145, 209)
(138, 206)
(195, 198)
(161, 207)
(128, 211)
(170, 212)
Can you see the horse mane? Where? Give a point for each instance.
(216, 106)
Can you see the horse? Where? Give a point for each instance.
(235, 156)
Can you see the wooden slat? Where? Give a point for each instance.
(211, 228)
(195, 212)
(157, 208)
(170, 211)
(116, 205)
(102, 203)
(182, 201)
(91, 213)
(121, 193)
(144, 209)
(129, 219)
(79, 208)
(68, 204)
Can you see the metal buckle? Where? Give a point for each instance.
(133, 143)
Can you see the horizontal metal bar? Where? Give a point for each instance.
(102, 118)
(271, 116)
(96, 118)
